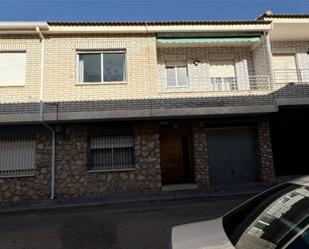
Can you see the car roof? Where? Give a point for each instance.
(301, 180)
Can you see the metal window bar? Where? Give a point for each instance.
(285, 76)
(226, 84)
(17, 157)
(111, 152)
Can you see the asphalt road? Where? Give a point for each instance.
(130, 226)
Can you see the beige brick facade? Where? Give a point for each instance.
(30, 92)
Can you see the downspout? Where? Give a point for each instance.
(150, 74)
(271, 72)
(41, 114)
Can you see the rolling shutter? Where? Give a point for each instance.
(285, 69)
(12, 68)
(222, 68)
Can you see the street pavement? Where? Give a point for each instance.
(119, 226)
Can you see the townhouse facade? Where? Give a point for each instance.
(93, 107)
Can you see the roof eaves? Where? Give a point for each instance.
(163, 23)
(266, 15)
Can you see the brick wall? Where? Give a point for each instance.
(30, 92)
(199, 75)
(61, 69)
(300, 49)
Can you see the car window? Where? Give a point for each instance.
(302, 241)
(275, 219)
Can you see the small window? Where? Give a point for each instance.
(17, 157)
(111, 153)
(177, 74)
(12, 68)
(102, 67)
(222, 75)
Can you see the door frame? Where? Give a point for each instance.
(187, 131)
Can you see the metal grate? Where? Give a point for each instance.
(111, 152)
(17, 157)
(285, 76)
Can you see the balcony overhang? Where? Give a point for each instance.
(207, 41)
(292, 31)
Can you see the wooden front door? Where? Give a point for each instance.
(175, 147)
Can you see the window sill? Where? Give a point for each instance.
(12, 85)
(101, 83)
(16, 176)
(110, 170)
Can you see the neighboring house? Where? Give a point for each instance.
(95, 107)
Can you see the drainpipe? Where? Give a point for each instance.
(150, 73)
(41, 114)
(271, 72)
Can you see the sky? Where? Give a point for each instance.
(140, 10)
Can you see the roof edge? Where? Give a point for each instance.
(154, 23)
(271, 15)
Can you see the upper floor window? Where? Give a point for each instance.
(285, 69)
(222, 75)
(177, 74)
(12, 68)
(102, 67)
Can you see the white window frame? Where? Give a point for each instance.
(223, 86)
(25, 73)
(175, 64)
(101, 52)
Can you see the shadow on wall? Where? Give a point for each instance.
(139, 105)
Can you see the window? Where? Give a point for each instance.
(285, 69)
(17, 157)
(222, 75)
(99, 67)
(177, 74)
(278, 218)
(111, 152)
(12, 68)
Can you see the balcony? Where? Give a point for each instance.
(295, 76)
(291, 86)
(252, 83)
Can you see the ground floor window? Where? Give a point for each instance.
(111, 152)
(17, 157)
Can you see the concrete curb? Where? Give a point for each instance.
(64, 204)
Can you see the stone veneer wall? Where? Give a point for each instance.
(264, 151)
(74, 179)
(36, 186)
(263, 146)
(200, 155)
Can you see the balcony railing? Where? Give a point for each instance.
(285, 76)
(223, 84)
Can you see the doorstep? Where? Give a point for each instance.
(182, 186)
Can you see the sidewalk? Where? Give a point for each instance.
(227, 191)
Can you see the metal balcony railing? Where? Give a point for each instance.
(253, 82)
(223, 84)
(285, 76)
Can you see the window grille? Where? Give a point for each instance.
(17, 157)
(111, 152)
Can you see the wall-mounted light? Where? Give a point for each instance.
(196, 62)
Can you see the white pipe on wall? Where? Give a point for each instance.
(41, 115)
